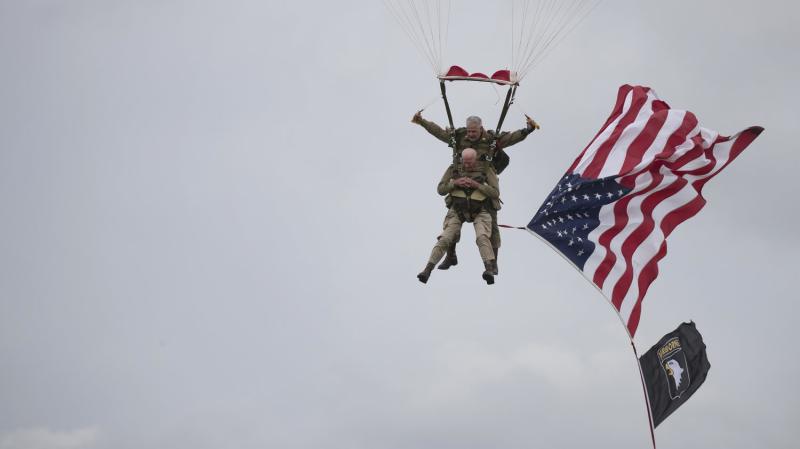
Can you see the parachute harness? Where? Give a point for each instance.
(512, 90)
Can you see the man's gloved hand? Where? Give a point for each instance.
(531, 123)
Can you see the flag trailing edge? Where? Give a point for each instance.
(639, 177)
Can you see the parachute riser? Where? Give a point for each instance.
(509, 101)
(506, 105)
(453, 143)
(446, 104)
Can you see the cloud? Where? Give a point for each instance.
(43, 438)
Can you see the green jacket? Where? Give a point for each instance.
(482, 145)
(488, 191)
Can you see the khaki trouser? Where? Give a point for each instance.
(495, 230)
(452, 227)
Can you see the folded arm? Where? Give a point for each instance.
(490, 188)
(446, 184)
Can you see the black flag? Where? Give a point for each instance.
(674, 369)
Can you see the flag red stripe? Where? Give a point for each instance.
(691, 154)
(616, 112)
(670, 182)
(646, 277)
(648, 223)
(677, 216)
(670, 221)
(678, 137)
(598, 161)
(744, 139)
(620, 222)
(620, 215)
(644, 140)
(640, 234)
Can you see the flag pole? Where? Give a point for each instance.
(646, 395)
(630, 337)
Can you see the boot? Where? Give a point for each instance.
(450, 258)
(426, 273)
(496, 270)
(488, 273)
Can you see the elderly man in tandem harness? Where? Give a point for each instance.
(472, 194)
(491, 158)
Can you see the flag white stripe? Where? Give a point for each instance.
(588, 155)
(671, 125)
(606, 218)
(687, 145)
(619, 151)
(699, 150)
(651, 245)
(634, 214)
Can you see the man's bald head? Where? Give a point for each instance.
(469, 157)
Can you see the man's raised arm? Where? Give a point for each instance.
(506, 139)
(431, 127)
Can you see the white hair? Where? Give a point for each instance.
(469, 151)
(474, 119)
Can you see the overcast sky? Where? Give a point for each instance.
(213, 214)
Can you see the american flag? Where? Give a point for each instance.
(640, 177)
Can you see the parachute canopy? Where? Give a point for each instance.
(536, 28)
(458, 73)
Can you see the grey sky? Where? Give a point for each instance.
(214, 212)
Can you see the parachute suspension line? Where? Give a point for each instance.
(401, 15)
(564, 21)
(523, 29)
(513, 35)
(526, 33)
(446, 31)
(496, 92)
(426, 33)
(426, 42)
(426, 24)
(539, 31)
(563, 34)
(537, 27)
(429, 103)
(521, 107)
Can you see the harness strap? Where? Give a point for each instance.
(446, 104)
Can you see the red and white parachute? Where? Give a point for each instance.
(536, 27)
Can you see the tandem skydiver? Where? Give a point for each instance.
(472, 192)
(488, 146)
